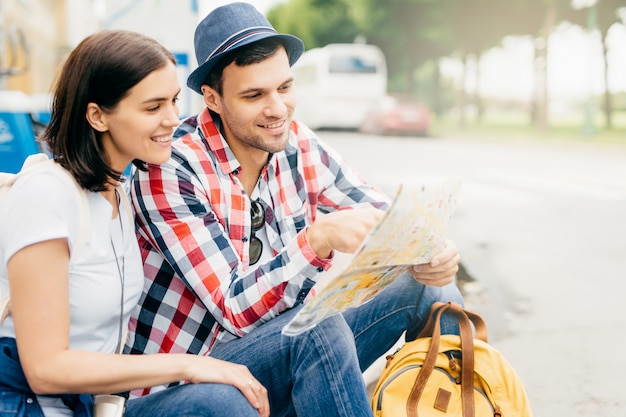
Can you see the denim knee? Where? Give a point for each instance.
(332, 337)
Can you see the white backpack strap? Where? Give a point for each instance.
(31, 162)
(5, 307)
(125, 201)
(84, 224)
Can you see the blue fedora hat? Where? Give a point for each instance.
(229, 27)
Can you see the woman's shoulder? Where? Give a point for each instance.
(46, 186)
(39, 206)
(47, 195)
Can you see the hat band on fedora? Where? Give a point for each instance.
(238, 37)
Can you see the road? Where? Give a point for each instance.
(541, 228)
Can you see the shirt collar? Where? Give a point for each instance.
(211, 128)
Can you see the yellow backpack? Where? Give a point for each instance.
(447, 375)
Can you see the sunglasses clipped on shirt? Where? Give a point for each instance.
(257, 217)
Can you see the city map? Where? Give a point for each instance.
(413, 230)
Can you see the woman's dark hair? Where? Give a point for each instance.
(101, 69)
(245, 55)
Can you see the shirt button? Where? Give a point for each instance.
(29, 400)
(245, 239)
(320, 269)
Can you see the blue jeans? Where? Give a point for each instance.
(403, 306)
(193, 400)
(319, 372)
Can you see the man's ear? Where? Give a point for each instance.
(211, 99)
(96, 117)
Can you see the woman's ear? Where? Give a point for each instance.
(96, 117)
(211, 99)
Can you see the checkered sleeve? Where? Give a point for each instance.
(341, 186)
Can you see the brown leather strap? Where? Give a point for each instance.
(467, 360)
(465, 320)
(427, 366)
(479, 324)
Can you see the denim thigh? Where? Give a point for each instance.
(403, 306)
(193, 400)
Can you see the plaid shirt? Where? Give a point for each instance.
(193, 219)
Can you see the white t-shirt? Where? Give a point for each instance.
(41, 207)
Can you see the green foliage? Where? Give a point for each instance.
(608, 13)
(317, 22)
(412, 32)
(415, 34)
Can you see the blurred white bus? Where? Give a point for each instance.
(338, 84)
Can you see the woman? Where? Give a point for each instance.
(114, 102)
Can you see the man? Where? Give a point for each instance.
(237, 227)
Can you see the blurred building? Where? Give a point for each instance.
(36, 36)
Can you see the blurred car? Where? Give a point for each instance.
(397, 114)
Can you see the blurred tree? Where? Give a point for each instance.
(539, 18)
(474, 27)
(413, 33)
(408, 31)
(602, 16)
(316, 22)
